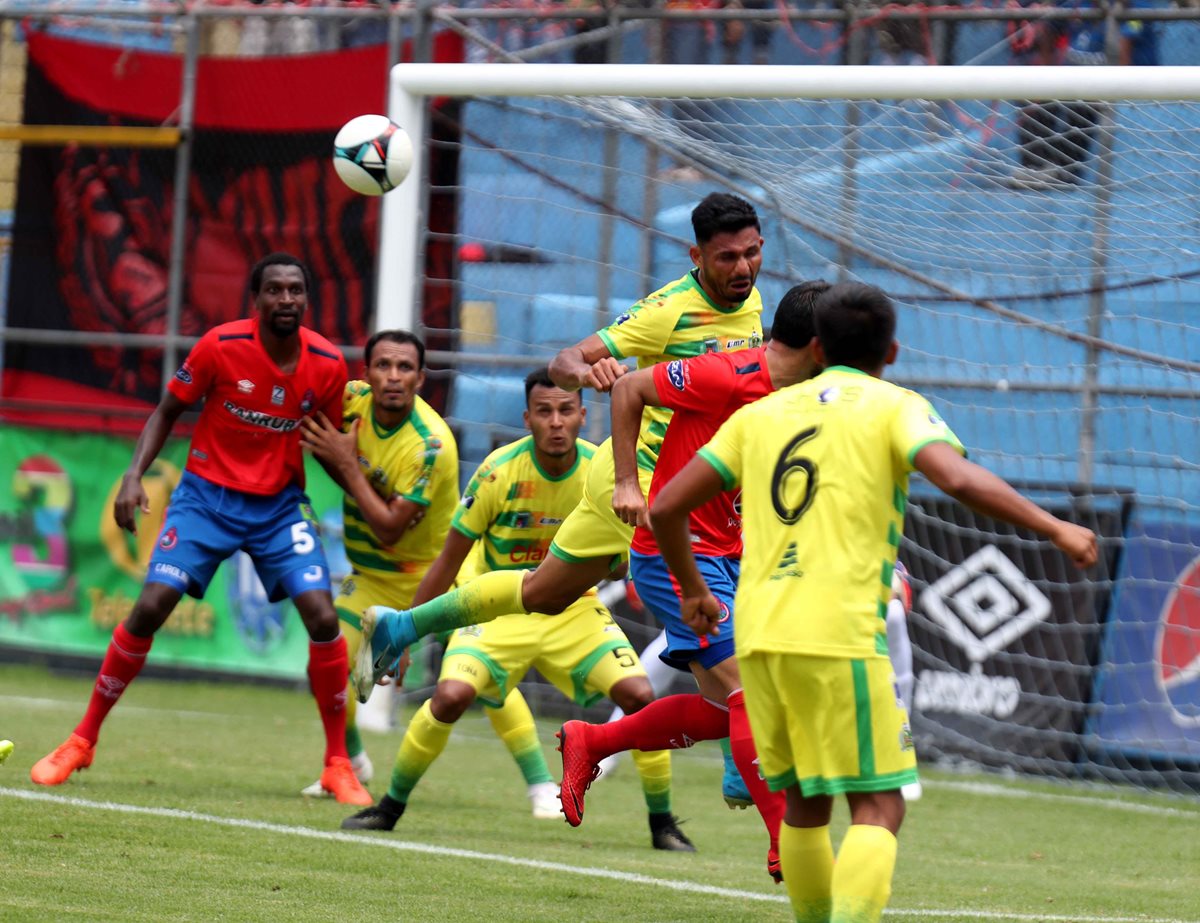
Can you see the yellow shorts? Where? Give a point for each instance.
(361, 589)
(582, 651)
(592, 530)
(831, 725)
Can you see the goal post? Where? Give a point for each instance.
(1035, 227)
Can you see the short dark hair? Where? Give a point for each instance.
(794, 324)
(395, 336)
(855, 324)
(540, 378)
(720, 212)
(278, 259)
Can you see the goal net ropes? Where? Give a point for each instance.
(1037, 230)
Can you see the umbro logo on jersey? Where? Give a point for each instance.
(788, 565)
(245, 386)
(277, 395)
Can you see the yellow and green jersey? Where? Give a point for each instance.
(675, 322)
(512, 508)
(417, 460)
(823, 467)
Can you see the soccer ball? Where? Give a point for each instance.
(372, 154)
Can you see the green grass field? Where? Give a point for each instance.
(192, 812)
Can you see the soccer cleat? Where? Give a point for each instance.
(543, 800)
(665, 834)
(774, 866)
(579, 770)
(385, 634)
(382, 816)
(363, 769)
(339, 780)
(74, 754)
(733, 789)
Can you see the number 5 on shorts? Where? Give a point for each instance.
(302, 539)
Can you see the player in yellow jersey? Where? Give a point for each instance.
(823, 468)
(398, 464)
(712, 308)
(506, 520)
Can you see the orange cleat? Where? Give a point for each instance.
(339, 780)
(75, 754)
(579, 770)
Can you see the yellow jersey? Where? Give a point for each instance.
(675, 322)
(823, 467)
(417, 460)
(512, 508)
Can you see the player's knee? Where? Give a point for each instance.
(633, 694)
(544, 597)
(152, 608)
(450, 701)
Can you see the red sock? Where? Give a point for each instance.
(771, 805)
(328, 668)
(123, 661)
(665, 724)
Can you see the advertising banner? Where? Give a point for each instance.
(1148, 693)
(1005, 634)
(68, 574)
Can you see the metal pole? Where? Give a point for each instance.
(179, 211)
(654, 48)
(1089, 401)
(855, 54)
(612, 53)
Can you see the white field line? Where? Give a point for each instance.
(538, 864)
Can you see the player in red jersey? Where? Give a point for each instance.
(703, 392)
(243, 489)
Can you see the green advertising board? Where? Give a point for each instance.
(68, 574)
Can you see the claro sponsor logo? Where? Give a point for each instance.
(258, 418)
(983, 605)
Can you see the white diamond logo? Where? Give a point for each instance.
(985, 603)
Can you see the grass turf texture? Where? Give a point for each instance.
(1024, 851)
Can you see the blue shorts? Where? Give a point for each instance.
(206, 523)
(658, 590)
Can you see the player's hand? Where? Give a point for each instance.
(130, 498)
(629, 504)
(1077, 543)
(701, 613)
(329, 443)
(604, 374)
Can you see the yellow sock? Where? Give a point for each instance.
(862, 876)
(513, 724)
(654, 768)
(806, 857)
(423, 742)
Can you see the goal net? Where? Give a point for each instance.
(1037, 229)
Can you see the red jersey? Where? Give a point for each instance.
(704, 391)
(248, 435)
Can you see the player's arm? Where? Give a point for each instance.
(692, 487)
(440, 576)
(131, 497)
(631, 395)
(339, 452)
(587, 364)
(987, 493)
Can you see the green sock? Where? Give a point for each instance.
(487, 597)
(655, 771)
(423, 742)
(513, 724)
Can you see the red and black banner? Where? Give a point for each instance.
(92, 228)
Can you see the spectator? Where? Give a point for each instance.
(735, 29)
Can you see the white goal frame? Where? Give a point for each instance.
(398, 298)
